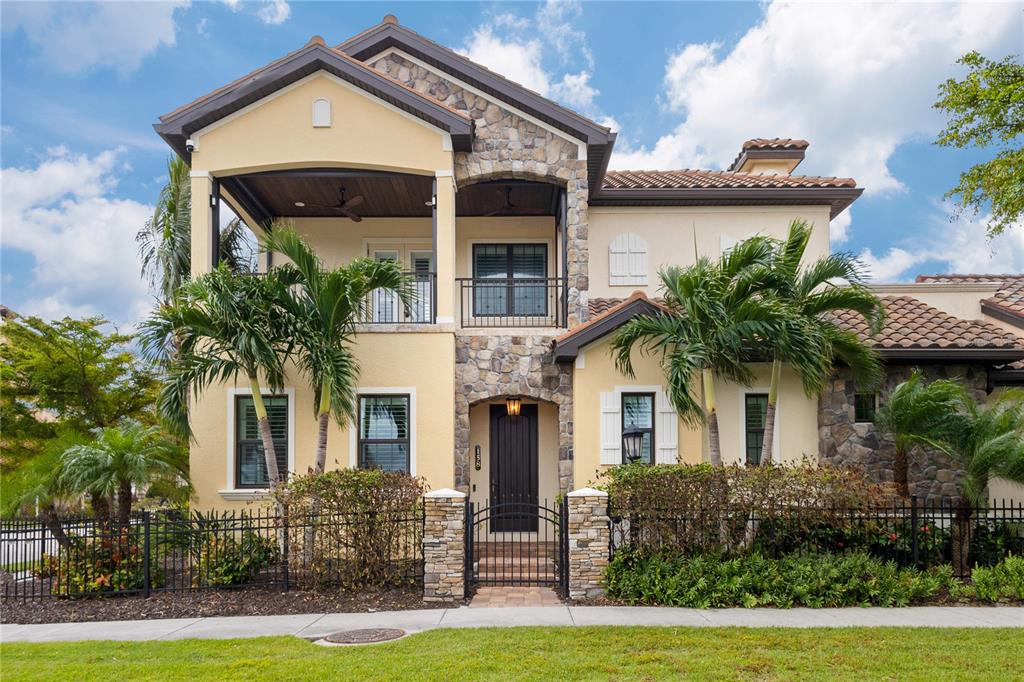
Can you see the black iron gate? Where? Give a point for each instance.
(497, 556)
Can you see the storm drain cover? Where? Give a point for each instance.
(364, 636)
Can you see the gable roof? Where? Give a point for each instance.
(913, 330)
(179, 124)
(1007, 304)
(389, 34)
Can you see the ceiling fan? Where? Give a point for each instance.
(509, 208)
(342, 205)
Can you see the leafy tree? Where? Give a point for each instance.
(715, 313)
(66, 375)
(918, 414)
(811, 340)
(218, 326)
(165, 241)
(986, 108)
(326, 304)
(119, 460)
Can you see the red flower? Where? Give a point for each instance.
(892, 536)
(926, 529)
(840, 545)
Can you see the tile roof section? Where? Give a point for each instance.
(909, 324)
(775, 143)
(705, 179)
(1010, 298)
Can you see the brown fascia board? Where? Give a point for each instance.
(1005, 377)
(176, 129)
(989, 355)
(385, 36)
(1000, 313)
(838, 198)
(567, 349)
(748, 154)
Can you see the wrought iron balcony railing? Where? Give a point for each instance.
(513, 302)
(383, 306)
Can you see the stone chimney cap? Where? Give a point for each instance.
(391, 19)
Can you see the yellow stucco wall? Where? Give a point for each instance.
(669, 233)
(423, 362)
(278, 132)
(547, 450)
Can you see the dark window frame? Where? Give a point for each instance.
(622, 421)
(240, 442)
(393, 441)
(860, 418)
(509, 271)
(747, 431)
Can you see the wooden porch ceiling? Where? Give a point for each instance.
(392, 195)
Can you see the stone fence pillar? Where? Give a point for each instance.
(444, 546)
(589, 539)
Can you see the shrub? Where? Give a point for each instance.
(811, 580)
(992, 541)
(222, 561)
(112, 562)
(1003, 581)
(354, 527)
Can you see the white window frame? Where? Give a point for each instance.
(635, 246)
(322, 113)
(742, 426)
(230, 492)
(353, 431)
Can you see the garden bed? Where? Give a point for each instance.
(249, 601)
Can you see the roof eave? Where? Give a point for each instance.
(568, 347)
(837, 198)
(987, 355)
(1001, 313)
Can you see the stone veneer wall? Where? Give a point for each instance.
(843, 442)
(489, 366)
(444, 546)
(507, 146)
(589, 541)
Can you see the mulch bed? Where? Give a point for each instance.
(253, 601)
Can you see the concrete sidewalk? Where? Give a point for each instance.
(316, 625)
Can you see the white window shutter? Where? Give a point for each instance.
(627, 260)
(611, 428)
(667, 432)
(321, 113)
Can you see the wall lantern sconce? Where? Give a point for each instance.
(632, 444)
(512, 405)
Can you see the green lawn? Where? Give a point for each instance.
(545, 654)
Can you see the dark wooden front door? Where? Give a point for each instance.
(513, 469)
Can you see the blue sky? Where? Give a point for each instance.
(684, 83)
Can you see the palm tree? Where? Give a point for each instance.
(119, 460)
(165, 241)
(811, 340)
(221, 325)
(918, 414)
(326, 304)
(715, 313)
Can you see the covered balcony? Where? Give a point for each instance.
(502, 266)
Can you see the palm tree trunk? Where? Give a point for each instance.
(100, 507)
(124, 504)
(324, 417)
(963, 532)
(769, 414)
(900, 472)
(269, 453)
(709, 405)
(52, 523)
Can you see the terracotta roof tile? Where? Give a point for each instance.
(775, 143)
(909, 323)
(705, 179)
(1010, 297)
(601, 308)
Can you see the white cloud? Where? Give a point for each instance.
(574, 90)
(515, 59)
(558, 21)
(856, 79)
(952, 245)
(82, 239)
(77, 37)
(201, 27)
(274, 12)
(839, 227)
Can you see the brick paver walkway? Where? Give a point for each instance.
(514, 596)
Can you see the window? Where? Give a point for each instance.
(627, 261)
(864, 407)
(638, 413)
(504, 263)
(755, 407)
(250, 462)
(384, 432)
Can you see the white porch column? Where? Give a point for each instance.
(444, 247)
(202, 223)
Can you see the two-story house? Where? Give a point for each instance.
(527, 253)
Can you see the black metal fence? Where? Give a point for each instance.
(910, 532)
(383, 306)
(166, 550)
(513, 302)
